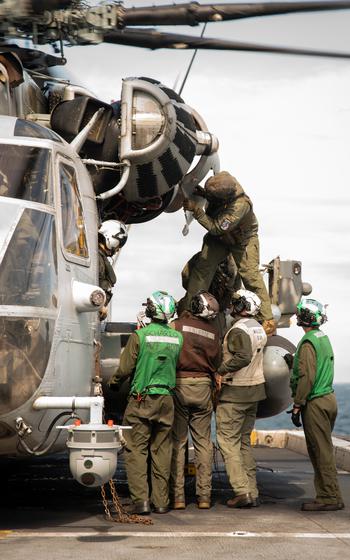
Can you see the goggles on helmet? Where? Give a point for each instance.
(310, 313)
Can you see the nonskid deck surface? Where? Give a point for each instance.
(46, 515)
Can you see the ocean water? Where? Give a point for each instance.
(342, 425)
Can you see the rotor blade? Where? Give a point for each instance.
(39, 6)
(26, 9)
(33, 59)
(152, 39)
(194, 13)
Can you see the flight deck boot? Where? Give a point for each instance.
(203, 503)
(178, 502)
(140, 508)
(240, 501)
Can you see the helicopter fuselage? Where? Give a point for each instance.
(153, 149)
(48, 256)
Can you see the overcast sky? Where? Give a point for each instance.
(283, 123)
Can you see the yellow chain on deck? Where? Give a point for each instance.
(122, 516)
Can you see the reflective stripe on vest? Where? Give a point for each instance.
(200, 332)
(156, 362)
(171, 340)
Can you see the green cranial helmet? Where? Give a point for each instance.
(161, 306)
(310, 313)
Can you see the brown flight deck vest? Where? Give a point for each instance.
(201, 350)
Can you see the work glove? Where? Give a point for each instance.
(295, 412)
(218, 381)
(190, 205)
(115, 386)
(269, 327)
(115, 383)
(103, 312)
(288, 358)
(199, 191)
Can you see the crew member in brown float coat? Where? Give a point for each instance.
(197, 364)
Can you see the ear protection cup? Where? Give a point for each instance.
(150, 309)
(311, 313)
(197, 305)
(241, 304)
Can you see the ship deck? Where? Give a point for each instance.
(46, 515)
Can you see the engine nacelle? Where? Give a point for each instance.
(151, 132)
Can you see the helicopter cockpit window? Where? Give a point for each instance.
(28, 270)
(4, 91)
(74, 236)
(25, 344)
(33, 130)
(25, 173)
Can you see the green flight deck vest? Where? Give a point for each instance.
(155, 373)
(323, 384)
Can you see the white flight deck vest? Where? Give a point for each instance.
(253, 373)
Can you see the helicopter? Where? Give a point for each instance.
(70, 161)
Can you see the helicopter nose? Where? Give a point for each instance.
(25, 344)
(28, 284)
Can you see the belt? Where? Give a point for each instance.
(141, 396)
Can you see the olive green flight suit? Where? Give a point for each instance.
(232, 229)
(236, 414)
(193, 411)
(150, 415)
(151, 420)
(225, 283)
(106, 275)
(235, 423)
(318, 416)
(198, 361)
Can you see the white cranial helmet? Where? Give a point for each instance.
(114, 233)
(244, 300)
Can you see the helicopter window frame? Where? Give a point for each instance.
(5, 88)
(81, 259)
(29, 265)
(43, 147)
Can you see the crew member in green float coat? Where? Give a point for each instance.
(150, 355)
(314, 400)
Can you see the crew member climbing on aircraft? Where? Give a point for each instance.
(112, 236)
(232, 228)
(314, 400)
(150, 356)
